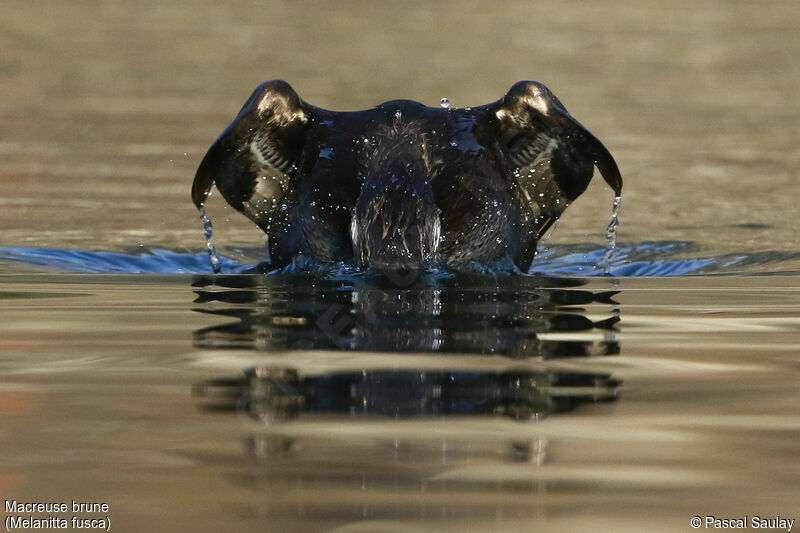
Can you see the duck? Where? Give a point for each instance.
(403, 185)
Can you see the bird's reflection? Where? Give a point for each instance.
(454, 315)
(355, 387)
(271, 394)
(523, 319)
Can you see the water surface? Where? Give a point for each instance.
(566, 400)
(277, 402)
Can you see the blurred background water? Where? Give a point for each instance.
(566, 400)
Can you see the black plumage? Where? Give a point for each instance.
(403, 185)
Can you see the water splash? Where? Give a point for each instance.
(208, 231)
(611, 236)
(445, 103)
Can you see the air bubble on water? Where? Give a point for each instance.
(208, 231)
(611, 236)
(445, 103)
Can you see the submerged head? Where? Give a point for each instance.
(395, 223)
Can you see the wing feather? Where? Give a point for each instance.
(550, 156)
(254, 161)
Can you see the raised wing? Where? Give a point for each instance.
(551, 154)
(254, 161)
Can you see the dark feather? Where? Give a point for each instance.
(403, 183)
(550, 158)
(552, 154)
(255, 159)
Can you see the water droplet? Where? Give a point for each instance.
(284, 207)
(611, 236)
(207, 230)
(445, 103)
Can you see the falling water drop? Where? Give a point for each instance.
(207, 229)
(611, 236)
(445, 103)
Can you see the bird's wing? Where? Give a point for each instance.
(255, 159)
(550, 154)
(549, 158)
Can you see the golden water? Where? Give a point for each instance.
(244, 403)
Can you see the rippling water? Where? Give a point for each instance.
(634, 260)
(573, 399)
(292, 402)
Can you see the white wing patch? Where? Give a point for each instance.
(533, 154)
(259, 157)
